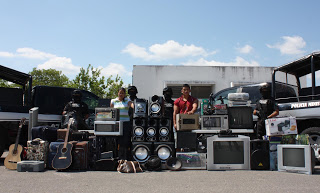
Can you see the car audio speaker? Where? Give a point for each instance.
(186, 141)
(138, 129)
(156, 106)
(152, 130)
(141, 151)
(174, 163)
(164, 150)
(259, 152)
(165, 130)
(140, 108)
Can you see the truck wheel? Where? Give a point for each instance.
(314, 138)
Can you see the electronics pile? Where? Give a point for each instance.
(212, 140)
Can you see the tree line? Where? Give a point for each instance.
(89, 79)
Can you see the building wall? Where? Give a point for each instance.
(150, 80)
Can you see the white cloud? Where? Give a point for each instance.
(291, 45)
(114, 69)
(6, 55)
(168, 50)
(61, 64)
(245, 49)
(33, 54)
(237, 62)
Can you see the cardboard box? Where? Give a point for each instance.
(281, 126)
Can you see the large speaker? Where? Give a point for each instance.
(187, 141)
(260, 158)
(165, 130)
(164, 150)
(141, 151)
(139, 129)
(156, 106)
(152, 130)
(140, 108)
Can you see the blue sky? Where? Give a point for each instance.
(115, 35)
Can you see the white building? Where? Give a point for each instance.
(150, 80)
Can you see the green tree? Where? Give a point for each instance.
(49, 77)
(7, 84)
(90, 79)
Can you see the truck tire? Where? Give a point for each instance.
(314, 133)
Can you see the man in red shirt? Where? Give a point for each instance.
(186, 104)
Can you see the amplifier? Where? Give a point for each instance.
(108, 128)
(187, 122)
(107, 114)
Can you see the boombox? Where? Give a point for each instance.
(107, 114)
(108, 128)
(187, 122)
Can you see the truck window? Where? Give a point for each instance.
(224, 95)
(285, 94)
(254, 93)
(90, 99)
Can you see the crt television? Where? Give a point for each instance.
(214, 122)
(228, 153)
(296, 158)
(240, 117)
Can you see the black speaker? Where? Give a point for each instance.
(174, 163)
(259, 154)
(152, 130)
(156, 106)
(164, 150)
(168, 110)
(165, 130)
(141, 151)
(140, 108)
(187, 141)
(138, 129)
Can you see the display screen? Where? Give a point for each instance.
(107, 127)
(228, 152)
(211, 121)
(104, 115)
(240, 118)
(188, 121)
(293, 157)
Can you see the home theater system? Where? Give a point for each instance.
(220, 137)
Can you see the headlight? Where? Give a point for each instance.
(141, 153)
(138, 131)
(164, 131)
(155, 107)
(151, 131)
(164, 153)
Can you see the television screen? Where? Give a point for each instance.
(240, 118)
(228, 152)
(293, 157)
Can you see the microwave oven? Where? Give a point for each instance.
(108, 128)
(107, 114)
(214, 122)
(186, 122)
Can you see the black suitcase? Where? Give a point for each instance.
(45, 133)
(106, 164)
(80, 136)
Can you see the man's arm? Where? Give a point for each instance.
(194, 107)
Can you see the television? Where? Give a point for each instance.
(296, 158)
(228, 153)
(108, 128)
(240, 117)
(214, 122)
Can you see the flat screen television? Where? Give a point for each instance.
(214, 122)
(296, 158)
(228, 153)
(240, 117)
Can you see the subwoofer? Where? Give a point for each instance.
(259, 152)
(138, 131)
(187, 141)
(141, 151)
(165, 130)
(164, 150)
(156, 106)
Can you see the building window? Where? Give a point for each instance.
(200, 92)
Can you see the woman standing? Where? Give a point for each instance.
(123, 103)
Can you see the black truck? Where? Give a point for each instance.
(15, 104)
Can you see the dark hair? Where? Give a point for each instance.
(123, 89)
(132, 90)
(76, 92)
(186, 85)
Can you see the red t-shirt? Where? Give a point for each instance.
(184, 106)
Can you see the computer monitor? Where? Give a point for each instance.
(228, 153)
(296, 158)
